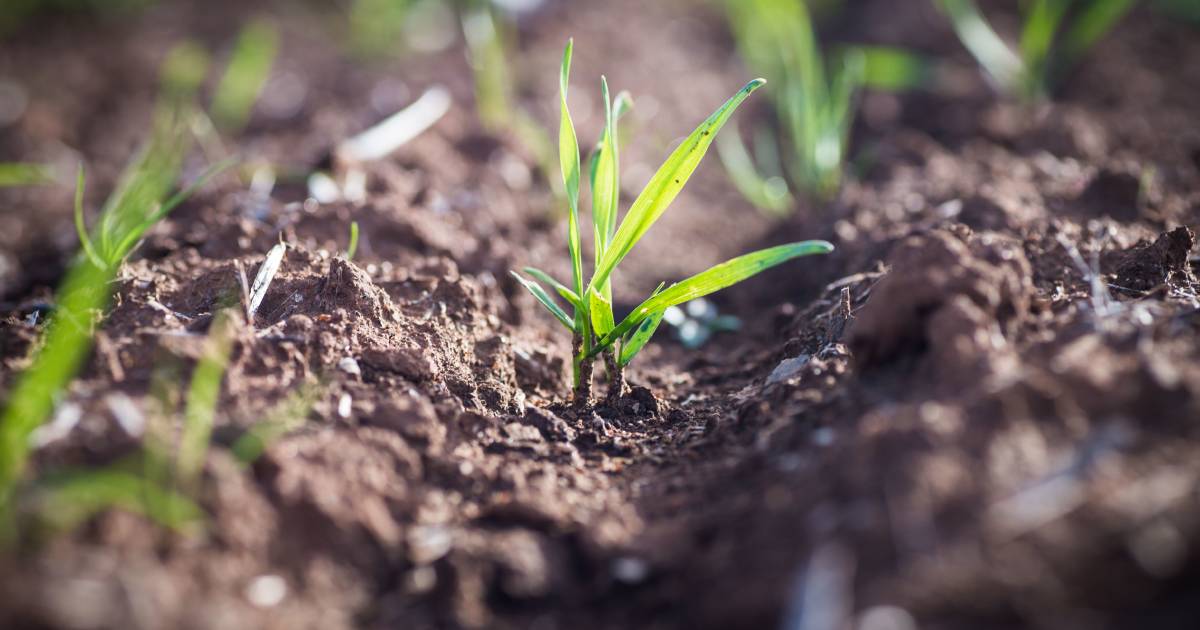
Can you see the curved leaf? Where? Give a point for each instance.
(662, 189)
(714, 279)
(546, 301)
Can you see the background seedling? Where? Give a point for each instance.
(139, 201)
(815, 98)
(353, 247)
(592, 323)
(247, 73)
(20, 174)
(1054, 36)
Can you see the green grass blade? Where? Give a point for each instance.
(21, 174)
(80, 226)
(562, 289)
(353, 247)
(568, 157)
(283, 418)
(894, 69)
(1092, 23)
(546, 301)
(716, 278)
(983, 43)
(247, 73)
(601, 311)
(640, 337)
(605, 181)
(662, 189)
(769, 194)
(203, 395)
(66, 500)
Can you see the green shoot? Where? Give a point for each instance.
(281, 419)
(247, 73)
(20, 174)
(815, 102)
(591, 322)
(353, 247)
(140, 200)
(63, 501)
(202, 398)
(1049, 45)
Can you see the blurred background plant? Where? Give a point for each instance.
(1055, 35)
(814, 94)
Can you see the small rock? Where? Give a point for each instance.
(349, 366)
(266, 591)
(787, 369)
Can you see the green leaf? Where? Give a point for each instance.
(21, 174)
(568, 157)
(605, 180)
(244, 78)
(637, 340)
(601, 310)
(66, 500)
(983, 43)
(662, 189)
(641, 335)
(353, 247)
(1093, 22)
(563, 290)
(203, 395)
(714, 279)
(546, 301)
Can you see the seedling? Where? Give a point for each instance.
(815, 101)
(22, 174)
(353, 247)
(247, 73)
(593, 326)
(139, 201)
(1048, 47)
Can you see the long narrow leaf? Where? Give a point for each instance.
(568, 157)
(546, 301)
(714, 279)
(641, 335)
(562, 289)
(203, 395)
(662, 189)
(1093, 22)
(66, 500)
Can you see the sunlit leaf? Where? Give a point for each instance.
(545, 300)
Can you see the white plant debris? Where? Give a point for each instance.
(262, 281)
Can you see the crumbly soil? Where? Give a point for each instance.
(979, 412)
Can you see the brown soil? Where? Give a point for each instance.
(980, 411)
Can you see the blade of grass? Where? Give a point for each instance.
(287, 416)
(247, 73)
(662, 189)
(714, 279)
(568, 157)
(353, 247)
(545, 300)
(21, 174)
(66, 500)
(202, 398)
(561, 288)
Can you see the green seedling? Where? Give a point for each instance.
(142, 197)
(244, 78)
(202, 398)
(65, 500)
(594, 328)
(353, 247)
(815, 101)
(21, 174)
(282, 419)
(1050, 43)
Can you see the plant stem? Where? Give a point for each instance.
(616, 376)
(581, 366)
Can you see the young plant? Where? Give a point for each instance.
(139, 201)
(594, 328)
(247, 73)
(815, 101)
(1048, 47)
(23, 174)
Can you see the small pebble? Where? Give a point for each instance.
(266, 591)
(349, 366)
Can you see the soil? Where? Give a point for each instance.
(979, 412)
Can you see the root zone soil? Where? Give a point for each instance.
(980, 412)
